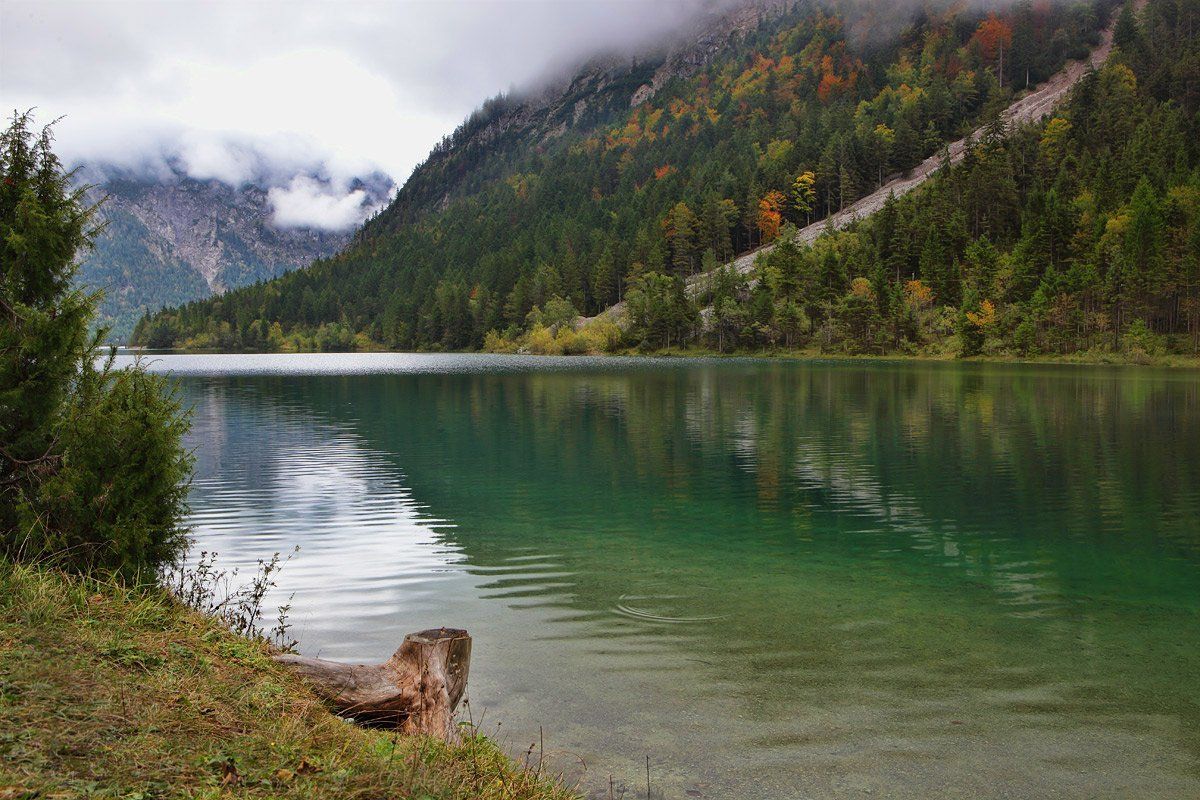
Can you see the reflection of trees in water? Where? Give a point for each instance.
(910, 528)
(1087, 455)
(1031, 507)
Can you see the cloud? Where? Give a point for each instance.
(204, 159)
(308, 203)
(358, 85)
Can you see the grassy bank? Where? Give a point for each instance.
(107, 692)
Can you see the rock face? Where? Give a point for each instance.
(171, 239)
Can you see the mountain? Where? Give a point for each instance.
(170, 238)
(636, 173)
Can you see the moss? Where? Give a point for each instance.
(111, 692)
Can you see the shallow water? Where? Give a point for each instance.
(776, 579)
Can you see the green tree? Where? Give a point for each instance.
(1144, 241)
(44, 335)
(660, 311)
(1127, 35)
(92, 467)
(606, 281)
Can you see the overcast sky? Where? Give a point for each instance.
(353, 85)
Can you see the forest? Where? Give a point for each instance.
(1079, 234)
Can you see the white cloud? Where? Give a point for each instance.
(356, 85)
(308, 203)
(207, 158)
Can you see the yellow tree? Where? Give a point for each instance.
(804, 193)
(1054, 140)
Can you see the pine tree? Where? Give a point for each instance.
(682, 232)
(1144, 242)
(1127, 35)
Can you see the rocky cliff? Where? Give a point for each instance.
(169, 239)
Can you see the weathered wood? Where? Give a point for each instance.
(416, 690)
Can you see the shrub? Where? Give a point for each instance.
(117, 499)
(1140, 343)
(603, 336)
(540, 341)
(496, 342)
(570, 342)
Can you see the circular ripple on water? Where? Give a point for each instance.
(667, 605)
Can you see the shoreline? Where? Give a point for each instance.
(125, 692)
(1170, 361)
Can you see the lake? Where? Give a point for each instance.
(774, 578)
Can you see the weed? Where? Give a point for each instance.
(213, 591)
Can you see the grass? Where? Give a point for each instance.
(111, 692)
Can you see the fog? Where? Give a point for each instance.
(264, 91)
(273, 91)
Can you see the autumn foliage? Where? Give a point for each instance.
(993, 38)
(770, 214)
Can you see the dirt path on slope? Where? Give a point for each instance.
(1030, 108)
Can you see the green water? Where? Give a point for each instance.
(775, 579)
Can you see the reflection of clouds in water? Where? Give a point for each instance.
(272, 477)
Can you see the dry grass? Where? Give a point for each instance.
(108, 692)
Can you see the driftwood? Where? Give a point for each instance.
(416, 690)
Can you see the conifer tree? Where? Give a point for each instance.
(93, 473)
(44, 335)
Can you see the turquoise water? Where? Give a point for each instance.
(775, 579)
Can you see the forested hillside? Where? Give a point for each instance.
(562, 206)
(1079, 233)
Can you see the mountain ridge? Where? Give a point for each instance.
(172, 238)
(582, 99)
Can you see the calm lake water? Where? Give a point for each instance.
(776, 579)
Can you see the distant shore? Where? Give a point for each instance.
(1085, 358)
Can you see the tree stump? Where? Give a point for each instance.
(416, 690)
